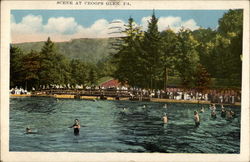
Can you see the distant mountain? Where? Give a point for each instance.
(88, 49)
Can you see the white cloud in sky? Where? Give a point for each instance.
(175, 23)
(32, 29)
(29, 24)
(61, 25)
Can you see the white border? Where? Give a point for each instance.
(6, 6)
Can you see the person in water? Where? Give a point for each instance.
(233, 114)
(28, 130)
(165, 118)
(229, 115)
(213, 107)
(223, 112)
(202, 110)
(76, 127)
(196, 119)
(213, 114)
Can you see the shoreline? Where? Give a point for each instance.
(93, 98)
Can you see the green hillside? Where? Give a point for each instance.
(88, 49)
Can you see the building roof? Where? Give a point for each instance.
(111, 83)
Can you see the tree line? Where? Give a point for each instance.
(146, 59)
(48, 68)
(143, 59)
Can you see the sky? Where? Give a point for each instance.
(65, 25)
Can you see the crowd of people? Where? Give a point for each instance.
(228, 96)
(221, 96)
(18, 91)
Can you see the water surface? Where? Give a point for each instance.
(107, 127)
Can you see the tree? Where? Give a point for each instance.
(79, 72)
(30, 68)
(127, 58)
(205, 47)
(187, 57)
(152, 52)
(169, 42)
(92, 77)
(50, 73)
(202, 79)
(16, 56)
(231, 22)
(231, 27)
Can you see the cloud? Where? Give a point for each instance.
(29, 24)
(175, 23)
(31, 28)
(61, 25)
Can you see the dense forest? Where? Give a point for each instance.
(147, 59)
(89, 50)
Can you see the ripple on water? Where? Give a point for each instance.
(106, 127)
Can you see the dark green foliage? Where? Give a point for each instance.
(16, 55)
(92, 77)
(105, 67)
(231, 22)
(79, 72)
(152, 53)
(158, 55)
(187, 57)
(126, 59)
(202, 79)
(30, 69)
(205, 47)
(168, 58)
(48, 68)
(140, 59)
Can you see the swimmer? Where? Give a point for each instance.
(196, 119)
(223, 112)
(213, 114)
(233, 114)
(76, 127)
(213, 108)
(165, 118)
(202, 110)
(28, 130)
(229, 115)
(124, 109)
(165, 106)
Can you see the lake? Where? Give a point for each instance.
(107, 127)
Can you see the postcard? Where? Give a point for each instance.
(124, 80)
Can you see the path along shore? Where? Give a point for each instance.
(115, 98)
